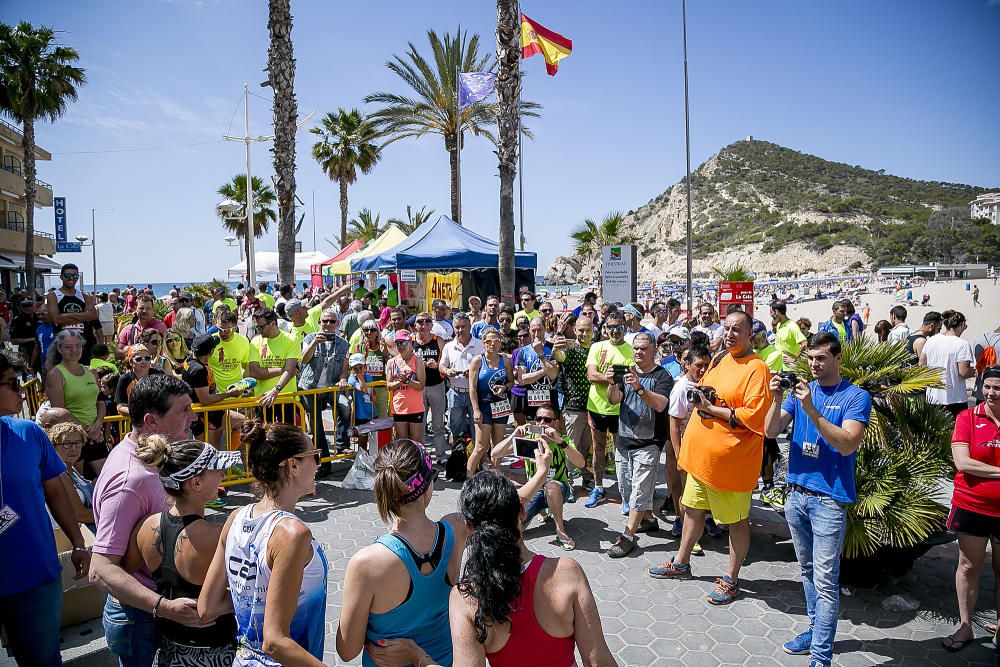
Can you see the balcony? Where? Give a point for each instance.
(11, 135)
(12, 239)
(12, 181)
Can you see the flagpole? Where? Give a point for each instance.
(687, 147)
(458, 142)
(520, 153)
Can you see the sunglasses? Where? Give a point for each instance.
(70, 445)
(173, 340)
(422, 321)
(155, 341)
(543, 311)
(616, 327)
(71, 276)
(13, 384)
(316, 453)
(402, 343)
(545, 420)
(142, 360)
(328, 321)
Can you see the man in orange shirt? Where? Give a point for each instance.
(721, 452)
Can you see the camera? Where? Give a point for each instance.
(707, 392)
(787, 380)
(525, 448)
(619, 374)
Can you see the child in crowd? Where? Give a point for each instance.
(361, 395)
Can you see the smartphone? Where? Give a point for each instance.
(525, 448)
(619, 374)
(534, 429)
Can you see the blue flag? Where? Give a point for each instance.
(474, 87)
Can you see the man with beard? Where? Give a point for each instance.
(71, 309)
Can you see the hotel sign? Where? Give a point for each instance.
(62, 243)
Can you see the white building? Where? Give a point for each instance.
(986, 206)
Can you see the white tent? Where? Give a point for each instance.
(266, 265)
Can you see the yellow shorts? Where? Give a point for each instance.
(727, 507)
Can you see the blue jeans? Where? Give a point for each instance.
(315, 404)
(539, 502)
(131, 634)
(818, 525)
(32, 619)
(460, 420)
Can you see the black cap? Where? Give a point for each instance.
(204, 344)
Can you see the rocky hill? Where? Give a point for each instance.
(782, 212)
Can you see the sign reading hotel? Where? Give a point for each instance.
(62, 243)
(618, 272)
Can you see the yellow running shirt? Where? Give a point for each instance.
(273, 353)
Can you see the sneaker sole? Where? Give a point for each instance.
(791, 652)
(722, 603)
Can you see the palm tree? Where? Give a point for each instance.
(432, 109)
(347, 145)
(365, 227)
(281, 77)
(263, 208)
(508, 86)
(413, 219)
(590, 236)
(37, 81)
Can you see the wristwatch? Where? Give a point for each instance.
(640, 391)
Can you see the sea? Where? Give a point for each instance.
(159, 289)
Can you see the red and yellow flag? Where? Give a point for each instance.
(536, 38)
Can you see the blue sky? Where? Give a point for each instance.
(907, 86)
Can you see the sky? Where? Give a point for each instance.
(909, 86)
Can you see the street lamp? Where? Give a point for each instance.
(82, 240)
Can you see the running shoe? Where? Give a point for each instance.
(677, 528)
(712, 528)
(726, 590)
(670, 570)
(622, 547)
(800, 645)
(216, 504)
(597, 496)
(776, 498)
(696, 550)
(588, 483)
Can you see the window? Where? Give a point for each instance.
(12, 164)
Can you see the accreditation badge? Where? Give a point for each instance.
(8, 517)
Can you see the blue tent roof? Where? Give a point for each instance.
(442, 244)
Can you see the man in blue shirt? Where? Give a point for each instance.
(830, 416)
(490, 320)
(31, 583)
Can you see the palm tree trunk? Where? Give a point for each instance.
(281, 74)
(508, 86)
(451, 145)
(343, 211)
(30, 174)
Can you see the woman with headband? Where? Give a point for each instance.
(267, 566)
(396, 590)
(177, 545)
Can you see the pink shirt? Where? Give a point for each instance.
(126, 492)
(130, 332)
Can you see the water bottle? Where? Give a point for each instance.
(245, 385)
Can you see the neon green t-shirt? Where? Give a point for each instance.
(604, 355)
(841, 330)
(299, 333)
(772, 357)
(96, 363)
(273, 353)
(266, 299)
(312, 317)
(789, 339)
(228, 360)
(228, 301)
(530, 314)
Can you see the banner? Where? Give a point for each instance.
(445, 286)
(618, 273)
(62, 243)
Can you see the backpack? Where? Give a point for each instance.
(458, 459)
(987, 358)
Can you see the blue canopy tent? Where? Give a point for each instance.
(442, 244)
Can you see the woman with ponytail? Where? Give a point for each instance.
(267, 566)
(177, 545)
(512, 607)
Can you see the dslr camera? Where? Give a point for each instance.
(702, 390)
(787, 380)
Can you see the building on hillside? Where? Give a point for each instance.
(12, 213)
(986, 206)
(937, 271)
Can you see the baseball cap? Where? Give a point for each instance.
(759, 327)
(680, 332)
(204, 344)
(402, 336)
(293, 304)
(357, 359)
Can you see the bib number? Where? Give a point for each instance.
(538, 397)
(500, 409)
(8, 517)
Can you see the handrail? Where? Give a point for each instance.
(17, 172)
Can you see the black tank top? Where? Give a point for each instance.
(171, 585)
(74, 304)
(429, 350)
(911, 339)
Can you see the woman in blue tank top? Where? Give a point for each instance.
(490, 395)
(396, 591)
(274, 570)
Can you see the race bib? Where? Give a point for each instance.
(500, 409)
(375, 366)
(537, 397)
(810, 449)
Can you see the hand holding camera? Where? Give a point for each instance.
(699, 393)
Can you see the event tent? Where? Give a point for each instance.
(442, 244)
(316, 270)
(266, 265)
(392, 236)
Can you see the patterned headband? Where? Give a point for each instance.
(420, 481)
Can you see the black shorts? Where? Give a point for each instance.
(975, 524)
(606, 423)
(94, 451)
(415, 418)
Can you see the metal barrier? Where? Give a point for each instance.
(33, 397)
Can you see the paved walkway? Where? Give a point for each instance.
(651, 622)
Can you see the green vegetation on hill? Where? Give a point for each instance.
(758, 189)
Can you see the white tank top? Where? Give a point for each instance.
(249, 577)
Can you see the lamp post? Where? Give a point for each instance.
(82, 240)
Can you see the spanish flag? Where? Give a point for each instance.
(536, 38)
